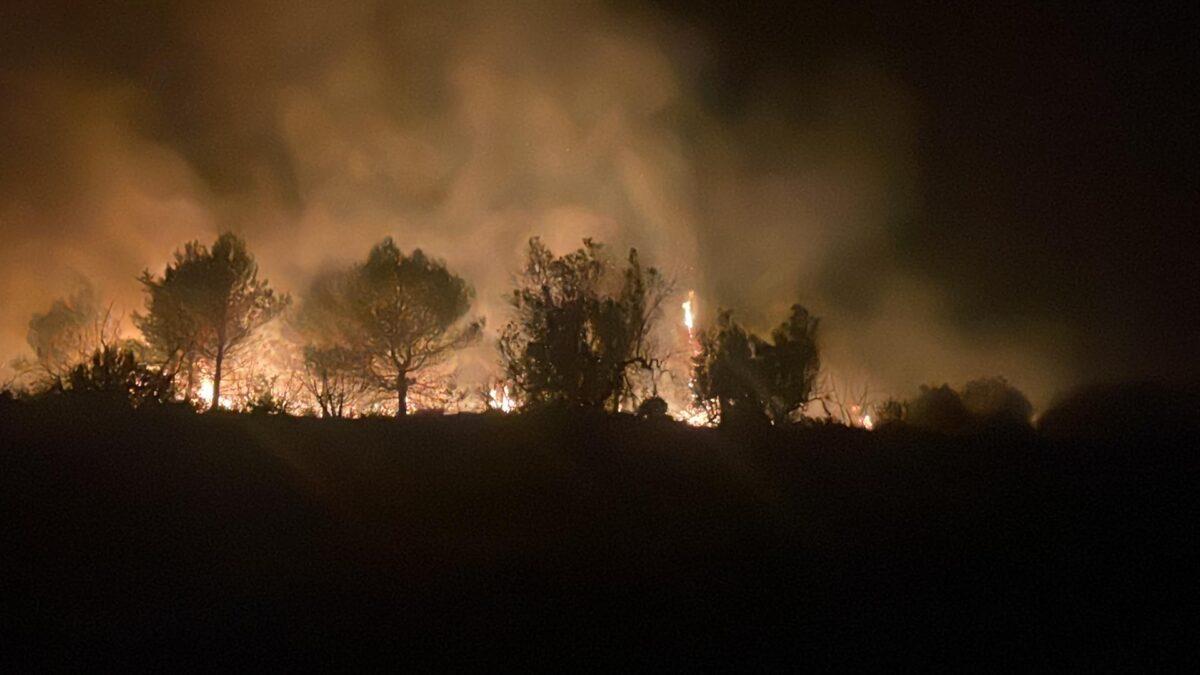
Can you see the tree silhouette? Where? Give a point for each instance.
(67, 334)
(391, 317)
(206, 305)
(571, 342)
(725, 371)
(791, 364)
(171, 328)
(750, 379)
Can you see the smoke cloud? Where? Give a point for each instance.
(315, 129)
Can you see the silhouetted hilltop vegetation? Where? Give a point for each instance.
(159, 535)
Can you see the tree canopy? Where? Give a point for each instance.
(740, 377)
(386, 320)
(573, 340)
(205, 306)
(67, 333)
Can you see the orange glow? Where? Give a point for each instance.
(501, 400)
(205, 393)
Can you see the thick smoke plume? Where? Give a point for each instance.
(315, 129)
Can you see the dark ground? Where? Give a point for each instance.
(164, 538)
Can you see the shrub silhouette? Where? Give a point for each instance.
(891, 412)
(334, 377)
(573, 342)
(264, 400)
(993, 401)
(653, 408)
(985, 402)
(66, 335)
(939, 409)
(115, 375)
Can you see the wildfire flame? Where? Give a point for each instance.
(501, 400)
(861, 418)
(205, 393)
(689, 317)
(691, 414)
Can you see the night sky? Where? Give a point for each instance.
(1055, 160)
(959, 191)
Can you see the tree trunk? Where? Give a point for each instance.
(402, 395)
(216, 402)
(191, 378)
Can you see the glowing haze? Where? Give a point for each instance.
(315, 129)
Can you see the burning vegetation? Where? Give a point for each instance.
(382, 337)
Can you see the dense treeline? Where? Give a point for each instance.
(377, 338)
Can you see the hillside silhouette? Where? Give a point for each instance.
(573, 537)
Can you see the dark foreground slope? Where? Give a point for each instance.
(167, 538)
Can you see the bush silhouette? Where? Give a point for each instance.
(993, 401)
(115, 375)
(653, 408)
(939, 409)
(574, 341)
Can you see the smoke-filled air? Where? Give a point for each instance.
(314, 131)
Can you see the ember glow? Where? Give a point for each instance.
(689, 319)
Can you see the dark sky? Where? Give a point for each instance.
(967, 190)
(1057, 153)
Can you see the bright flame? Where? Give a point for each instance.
(691, 414)
(689, 312)
(501, 400)
(693, 417)
(205, 393)
(860, 418)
